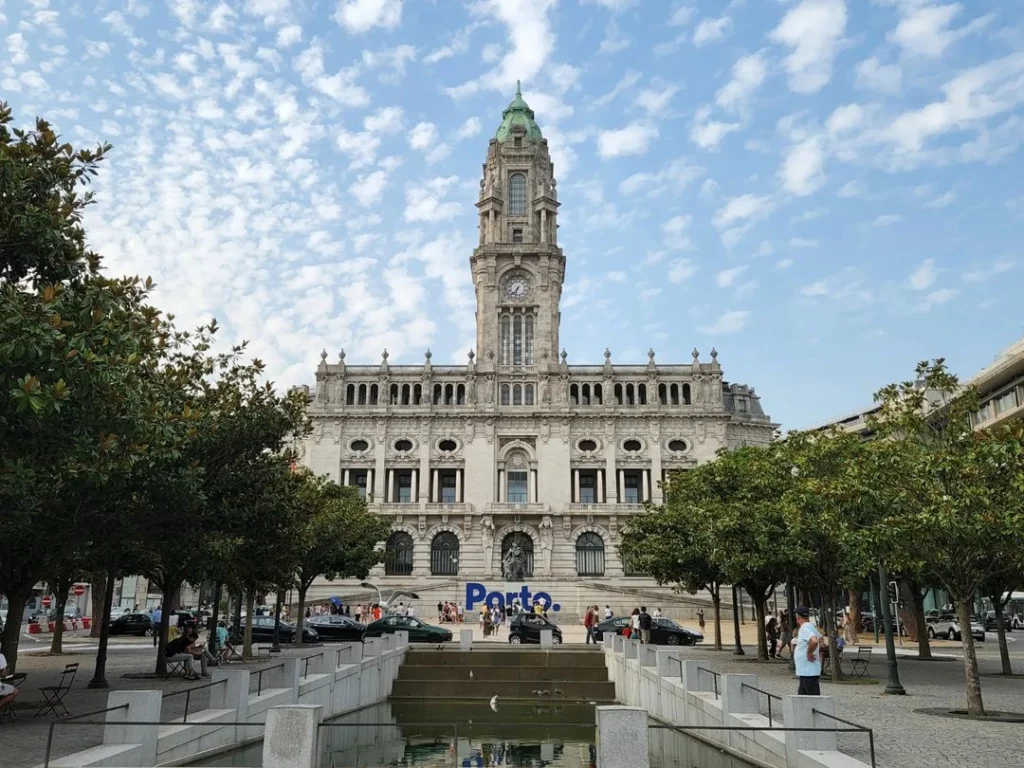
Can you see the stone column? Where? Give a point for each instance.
(543, 225)
(529, 487)
(503, 492)
(645, 494)
(345, 481)
(458, 486)
(414, 487)
(390, 490)
(622, 484)
(143, 706)
(576, 485)
(798, 712)
(371, 480)
(290, 738)
(621, 737)
(437, 481)
(536, 483)
(600, 486)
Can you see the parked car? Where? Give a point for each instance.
(132, 624)
(664, 631)
(118, 611)
(526, 627)
(867, 623)
(947, 625)
(263, 631)
(335, 627)
(614, 626)
(991, 624)
(419, 632)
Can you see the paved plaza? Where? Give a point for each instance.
(903, 737)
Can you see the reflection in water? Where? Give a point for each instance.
(420, 734)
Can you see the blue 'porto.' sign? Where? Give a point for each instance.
(477, 593)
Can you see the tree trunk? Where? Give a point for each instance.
(98, 590)
(236, 618)
(716, 604)
(855, 611)
(247, 640)
(57, 641)
(211, 630)
(975, 706)
(300, 622)
(99, 677)
(16, 599)
(829, 606)
(924, 646)
(1004, 651)
(167, 595)
(759, 615)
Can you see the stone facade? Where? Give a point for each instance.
(518, 441)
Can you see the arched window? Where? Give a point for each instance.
(405, 394)
(525, 544)
(417, 394)
(574, 394)
(506, 340)
(444, 554)
(641, 394)
(394, 394)
(362, 394)
(373, 394)
(675, 394)
(517, 340)
(505, 392)
(517, 394)
(589, 555)
(662, 394)
(517, 194)
(629, 395)
(350, 394)
(585, 395)
(449, 394)
(686, 394)
(460, 394)
(618, 394)
(597, 394)
(398, 554)
(528, 395)
(529, 340)
(438, 389)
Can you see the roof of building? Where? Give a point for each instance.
(518, 113)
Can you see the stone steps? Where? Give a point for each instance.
(482, 656)
(484, 673)
(558, 690)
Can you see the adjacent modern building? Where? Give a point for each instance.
(518, 446)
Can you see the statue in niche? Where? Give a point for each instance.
(546, 544)
(487, 540)
(544, 393)
(513, 565)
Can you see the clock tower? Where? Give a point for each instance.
(518, 268)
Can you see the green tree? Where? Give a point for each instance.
(340, 538)
(946, 493)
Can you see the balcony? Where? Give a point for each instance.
(627, 508)
(396, 508)
(591, 508)
(441, 508)
(510, 508)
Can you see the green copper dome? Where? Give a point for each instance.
(518, 113)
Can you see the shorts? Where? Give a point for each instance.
(6, 690)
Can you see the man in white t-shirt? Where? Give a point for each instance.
(607, 611)
(7, 692)
(807, 654)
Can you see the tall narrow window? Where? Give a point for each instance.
(528, 395)
(529, 340)
(517, 394)
(505, 394)
(518, 491)
(517, 194)
(517, 340)
(506, 339)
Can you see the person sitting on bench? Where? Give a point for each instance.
(7, 692)
(179, 650)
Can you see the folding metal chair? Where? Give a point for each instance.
(859, 663)
(53, 695)
(15, 681)
(233, 654)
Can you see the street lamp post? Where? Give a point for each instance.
(738, 650)
(276, 647)
(894, 686)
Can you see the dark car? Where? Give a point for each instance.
(333, 627)
(992, 624)
(526, 627)
(664, 631)
(418, 631)
(132, 624)
(263, 631)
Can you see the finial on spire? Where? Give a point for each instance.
(519, 91)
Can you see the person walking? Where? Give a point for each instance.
(644, 624)
(657, 613)
(588, 624)
(771, 633)
(807, 654)
(157, 619)
(440, 611)
(700, 619)
(786, 632)
(607, 611)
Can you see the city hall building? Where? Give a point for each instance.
(518, 446)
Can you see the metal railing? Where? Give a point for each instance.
(714, 675)
(855, 727)
(259, 676)
(749, 728)
(188, 694)
(766, 693)
(49, 735)
(305, 663)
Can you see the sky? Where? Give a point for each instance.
(825, 191)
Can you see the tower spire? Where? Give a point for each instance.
(519, 91)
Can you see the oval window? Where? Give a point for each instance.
(403, 445)
(632, 445)
(359, 445)
(677, 446)
(447, 445)
(588, 445)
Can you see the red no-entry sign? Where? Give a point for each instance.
(79, 590)
(47, 601)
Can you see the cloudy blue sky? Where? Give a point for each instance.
(826, 191)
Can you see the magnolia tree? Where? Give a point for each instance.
(952, 494)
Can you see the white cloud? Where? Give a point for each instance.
(981, 275)
(802, 242)
(289, 35)
(887, 219)
(655, 101)
(852, 188)
(681, 270)
(875, 76)
(802, 172)
(936, 299)
(631, 140)
(613, 41)
(711, 30)
(468, 129)
(707, 133)
(359, 16)
(678, 174)
(727, 277)
(747, 75)
(708, 189)
(673, 231)
(386, 120)
(423, 202)
(423, 136)
(627, 81)
(731, 321)
(783, 264)
(361, 147)
(942, 201)
(810, 215)
(681, 16)
(814, 31)
(924, 29)
(616, 276)
(369, 189)
(922, 278)
(17, 48)
(742, 208)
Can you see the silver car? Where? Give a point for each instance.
(947, 625)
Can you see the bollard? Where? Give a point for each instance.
(737, 700)
(234, 694)
(622, 737)
(143, 706)
(290, 738)
(546, 639)
(797, 713)
(465, 639)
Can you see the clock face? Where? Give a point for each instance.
(517, 287)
